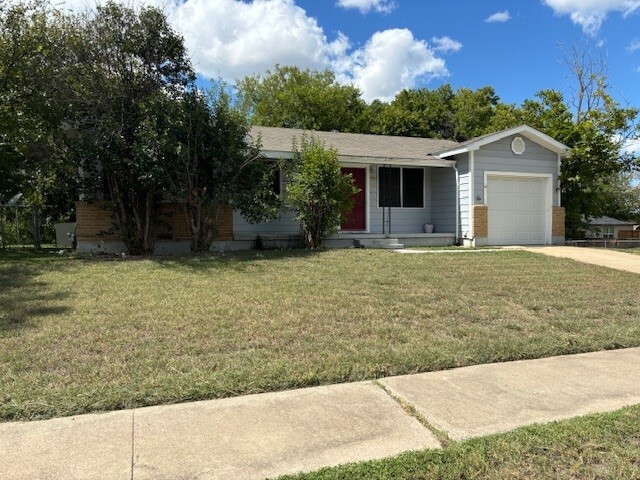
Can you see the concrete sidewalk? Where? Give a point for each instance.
(603, 257)
(267, 435)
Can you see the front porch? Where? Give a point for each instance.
(339, 240)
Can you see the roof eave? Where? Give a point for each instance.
(420, 162)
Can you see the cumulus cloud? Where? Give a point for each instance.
(234, 38)
(634, 45)
(382, 6)
(390, 61)
(590, 14)
(498, 17)
(231, 38)
(445, 44)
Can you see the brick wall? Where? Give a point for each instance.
(557, 221)
(95, 220)
(481, 221)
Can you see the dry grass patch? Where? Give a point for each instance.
(80, 335)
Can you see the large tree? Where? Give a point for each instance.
(219, 167)
(293, 98)
(135, 66)
(38, 74)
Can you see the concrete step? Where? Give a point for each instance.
(384, 243)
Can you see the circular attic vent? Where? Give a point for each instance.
(517, 146)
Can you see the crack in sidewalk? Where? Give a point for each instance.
(409, 409)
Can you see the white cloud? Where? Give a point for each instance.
(445, 44)
(634, 45)
(234, 38)
(631, 146)
(231, 38)
(382, 6)
(390, 61)
(590, 14)
(498, 17)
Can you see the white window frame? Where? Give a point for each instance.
(608, 232)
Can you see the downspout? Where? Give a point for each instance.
(455, 169)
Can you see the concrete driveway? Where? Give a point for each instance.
(596, 256)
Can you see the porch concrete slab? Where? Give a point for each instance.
(596, 256)
(87, 447)
(486, 399)
(268, 435)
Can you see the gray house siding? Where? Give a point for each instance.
(443, 200)
(285, 224)
(498, 157)
(403, 220)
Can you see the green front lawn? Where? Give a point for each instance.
(594, 447)
(80, 335)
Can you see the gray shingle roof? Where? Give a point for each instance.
(608, 221)
(354, 144)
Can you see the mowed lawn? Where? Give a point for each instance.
(80, 335)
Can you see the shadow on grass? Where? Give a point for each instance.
(23, 296)
(238, 261)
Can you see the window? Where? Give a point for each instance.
(607, 232)
(401, 187)
(276, 182)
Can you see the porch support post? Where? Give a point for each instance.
(455, 169)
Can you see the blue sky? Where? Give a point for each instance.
(382, 46)
(518, 57)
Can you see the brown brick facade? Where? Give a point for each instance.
(557, 221)
(95, 220)
(481, 221)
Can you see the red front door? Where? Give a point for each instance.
(357, 219)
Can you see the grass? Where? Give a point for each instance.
(598, 446)
(81, 335)
(635, 250)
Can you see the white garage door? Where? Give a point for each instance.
(517, 210)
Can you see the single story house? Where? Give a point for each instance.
(498, 189)
(609, 228)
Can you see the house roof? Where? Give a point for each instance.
(524, 130)
(384, 148)
(608, 221)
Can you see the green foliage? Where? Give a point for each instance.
(218, 167)
(37, 76)
(418, 113)
(137, 67)
(319, 193)
(439, 113)
(293, 98)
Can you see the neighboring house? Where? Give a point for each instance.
(609, 228)
(498, 189)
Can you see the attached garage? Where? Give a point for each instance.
(509, 188)
(519, 209)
